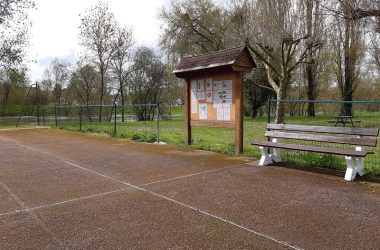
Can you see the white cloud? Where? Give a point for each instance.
(55, 27)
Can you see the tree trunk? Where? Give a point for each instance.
(101, 93)
(281, 95)
(101, 105)
(122, 102)
(5, 103)
(310, 68)
(7, 90)
(280, 107)
(310, 90)
(349, 70)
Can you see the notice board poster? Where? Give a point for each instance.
(212, 100)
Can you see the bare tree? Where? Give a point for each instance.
(97, 29)
(271, 29)
(314, 29)
(374, 51)
(355, 10)
(83, 82)
(147, 81)
(348, 48)
(121, 62)
(14, 31)
(55, 78)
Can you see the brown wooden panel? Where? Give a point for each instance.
(218, 124)
(314, 149)
(323, 138)
(240, 68)
(245, 60)
(324, 129)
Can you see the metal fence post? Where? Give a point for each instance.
(55, 115)
(158, 123)
(80, 118)
(43, 117)
(115, 124)
(38, 105)
(269, 108)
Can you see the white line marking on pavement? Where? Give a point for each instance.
(63, 202)
(164, 197)
(193, 174)
(2, 148)
(31, 214)
(188, 206)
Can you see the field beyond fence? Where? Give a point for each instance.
(152, 123)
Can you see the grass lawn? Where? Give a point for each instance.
(4, 126)
(212, 139)
(222, 140)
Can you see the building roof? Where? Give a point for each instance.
(239, 57)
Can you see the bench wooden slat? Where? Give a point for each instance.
(314, 149)
(371, 142)
(323, 129)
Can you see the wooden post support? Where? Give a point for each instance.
(187, 112)
(239, 114)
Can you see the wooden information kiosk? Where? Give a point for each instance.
(214, 90)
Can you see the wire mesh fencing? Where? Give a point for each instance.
(138, 122)
(153, 123)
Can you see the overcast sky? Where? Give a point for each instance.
(55, 27)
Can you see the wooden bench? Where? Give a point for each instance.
(357, 137)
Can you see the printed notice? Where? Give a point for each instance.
(218, 95)
(194, 86)
(227, 84)
(219, 114)
(194, 109)
(227, 94)
(201, 96)
(227, 103)
(226, 114)
(218, 85)
(193, 97)
(200, 85)
(209, 84)
(203, 111)
(218, 104)
(209, 96)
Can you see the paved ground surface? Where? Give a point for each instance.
(68, 190)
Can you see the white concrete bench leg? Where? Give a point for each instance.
(269, 158)
(276, 156)
(360, 166)
(265, 158)
(354, 165)
(360, 162)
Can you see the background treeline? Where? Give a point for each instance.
(305, 49)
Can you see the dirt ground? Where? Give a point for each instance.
(64, 190)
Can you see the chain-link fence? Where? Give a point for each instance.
(152, 123)
(138, 122)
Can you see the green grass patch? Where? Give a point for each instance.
(222, 139)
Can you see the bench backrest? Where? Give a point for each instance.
(353, 136)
